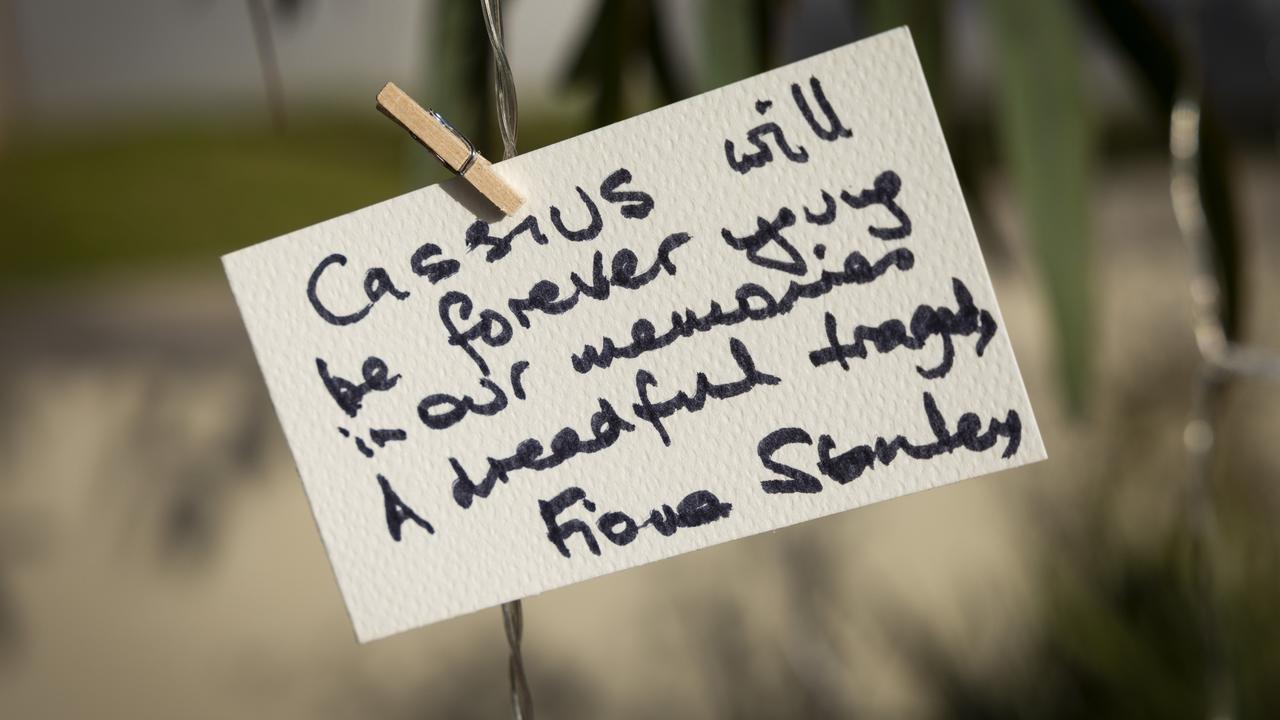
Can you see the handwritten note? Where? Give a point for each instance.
(762, 305)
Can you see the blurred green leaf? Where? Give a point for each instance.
(600, 60)
(737, 39)
(183, 194)
(925, 19)
(1148, 46)
(180, 194)
(660, 55)
(625, 36)
(970, 147)
(1048, 144)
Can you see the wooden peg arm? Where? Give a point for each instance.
(449, 145)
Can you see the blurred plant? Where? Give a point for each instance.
(457, 62)
(1124, 634)
(740, 38)
(798, 671)
(1117, 630)
(969, 142)
(1047, 138)
(1048, 143)
(474, 689)
(173, 472)
(625, 40)
(265, 42)
(22, 537)
(1116, 640)
(625, 60)
(1121, 631)
(1147, 45)
(11, 92)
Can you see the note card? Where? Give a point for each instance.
(759, 306)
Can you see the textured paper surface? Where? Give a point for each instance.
(905, 251)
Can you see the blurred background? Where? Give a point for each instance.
(157, 555)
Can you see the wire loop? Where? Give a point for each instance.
(471, 148)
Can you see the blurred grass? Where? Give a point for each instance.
(178, 196)
(1048, 140)
(182, 194)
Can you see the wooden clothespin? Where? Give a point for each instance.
(449, 146)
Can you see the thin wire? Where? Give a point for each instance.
(521, 697)
(471, 147)
(1220, 358)
(505, 87)
(1188, 207)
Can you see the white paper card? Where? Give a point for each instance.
(759, 306)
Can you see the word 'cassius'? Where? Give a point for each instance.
(429, 261)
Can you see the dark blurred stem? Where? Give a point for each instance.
(261, 21)
(10, 71)
(1161, 60)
